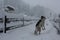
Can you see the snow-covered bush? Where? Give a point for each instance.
(56, 21)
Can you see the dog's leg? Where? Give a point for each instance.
(39, 30)
(35, 32)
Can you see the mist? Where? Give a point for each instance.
(51, 4)
(33, 7)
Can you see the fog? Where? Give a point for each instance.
(33, 7)
(1, 7)
(52, 4)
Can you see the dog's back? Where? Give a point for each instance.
(38, 23)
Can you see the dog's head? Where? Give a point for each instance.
(42, 17)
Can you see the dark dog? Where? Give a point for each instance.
(39, 25)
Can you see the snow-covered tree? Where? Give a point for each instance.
(57, 22)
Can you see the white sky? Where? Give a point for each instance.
(52, 4)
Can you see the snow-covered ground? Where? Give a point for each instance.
(27, 33)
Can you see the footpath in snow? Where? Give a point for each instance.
(27, 33)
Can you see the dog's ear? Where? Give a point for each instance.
(43, 17)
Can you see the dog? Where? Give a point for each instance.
(39, 25)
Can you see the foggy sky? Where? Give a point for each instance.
(52, 4)
(1, 5)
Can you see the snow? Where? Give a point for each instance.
(18, 23)
(20, 15)
(27, 33)
(1, 25)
